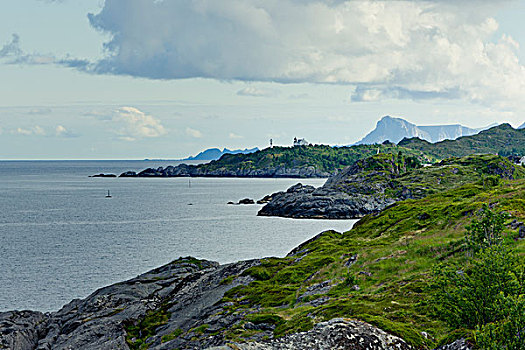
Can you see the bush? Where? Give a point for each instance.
(486, 294)
(485, 232)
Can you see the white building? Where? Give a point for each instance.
(299, 142)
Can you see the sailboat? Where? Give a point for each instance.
(109, 195)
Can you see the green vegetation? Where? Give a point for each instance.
(433, 269)
(172, 335)
(487, 293)
(138, 332)
(502, 140)
(322, 157)
(397, 254)
(397, 176)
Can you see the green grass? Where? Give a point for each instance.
(502, 140)
(396, 249)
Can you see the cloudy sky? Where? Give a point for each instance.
(133, 79)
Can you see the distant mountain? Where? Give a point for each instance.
(396, 129)
(522, 126)
(502, 139)
(216, 153)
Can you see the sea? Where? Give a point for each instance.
(61, 238)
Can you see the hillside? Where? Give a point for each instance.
(300, 162)
(325, 161)
(396, 129)
(374, 183)
(381, 272)
(502, 139)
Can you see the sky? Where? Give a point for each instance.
(134, 79)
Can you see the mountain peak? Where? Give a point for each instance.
(395, 129)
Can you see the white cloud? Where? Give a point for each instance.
(137, 124)
(61, 131)
(35, 130)
(388, 49)
(193, 133)
(235, 136)
(256, 92)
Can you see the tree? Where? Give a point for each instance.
(487, 293)
(485, 232)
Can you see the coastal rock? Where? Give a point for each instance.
(183, 170)
(19, 330)
(104, 175)
(246, 201)
(265, 199)
(192, 287)
(336, 334)
(377, 182)
(351, 194)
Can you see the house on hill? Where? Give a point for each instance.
(299, 142)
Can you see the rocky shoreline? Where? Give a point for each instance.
(371, 185)
(188, 295)
(185, 170)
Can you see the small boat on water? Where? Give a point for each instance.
(109, 195)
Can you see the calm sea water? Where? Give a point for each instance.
(60, 238)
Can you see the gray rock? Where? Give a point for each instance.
(190, 287)
(183, 170)
(246, 201)
(19, 330)
(336, 334)
(460, 344)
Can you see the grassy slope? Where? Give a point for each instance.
(396, 252)
(322, 157)
(502, 139)
(392, 172)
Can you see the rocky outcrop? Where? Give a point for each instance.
(20, 330)
(372, 184)
(336, 334)
(184, 170)
(188, 289)
(103, 175)
(324, 202)
(180, 306)
(357, 191)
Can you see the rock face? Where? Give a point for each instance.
(324, 202)
(353, 193)
(182, 304)
(372, 184)
(189, 288)
(336, 334)
(184, 170)
(20, 330)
